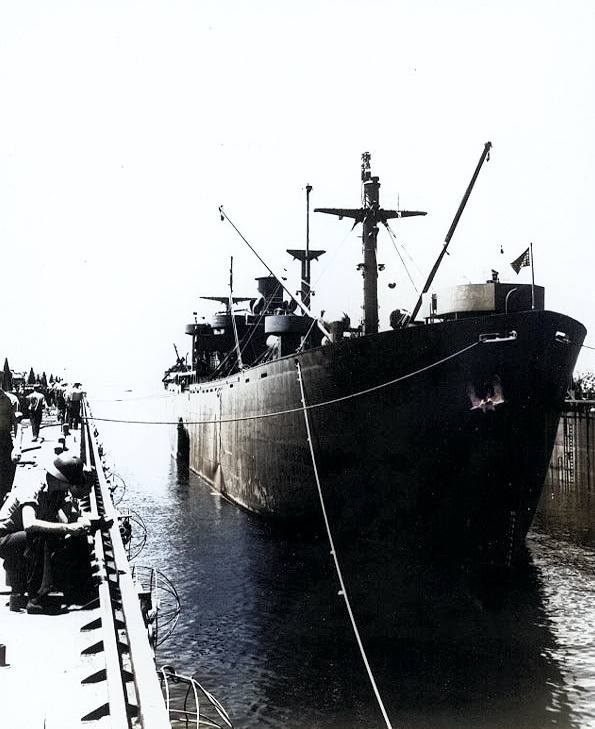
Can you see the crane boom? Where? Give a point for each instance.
(451, 230)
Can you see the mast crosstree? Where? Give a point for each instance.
(370, 215)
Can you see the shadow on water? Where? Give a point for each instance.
(264, 629)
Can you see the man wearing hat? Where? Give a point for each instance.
(73, 398)
(60, 395)
(34, 521)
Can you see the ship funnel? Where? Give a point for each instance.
(271, 291)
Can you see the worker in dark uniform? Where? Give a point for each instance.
(36, 404)
(73, 405)
(35, 520)
(10, 443)
(60, 395)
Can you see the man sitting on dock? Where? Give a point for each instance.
(38, 522)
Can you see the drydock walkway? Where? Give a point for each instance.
(90, 666)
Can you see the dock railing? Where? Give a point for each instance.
(134, 696)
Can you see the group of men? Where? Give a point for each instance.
(67, 400)
(43, 532)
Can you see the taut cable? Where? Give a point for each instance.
(343, 590)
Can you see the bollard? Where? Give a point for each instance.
(3, 663)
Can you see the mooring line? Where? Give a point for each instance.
(290, 411)
(343, 590)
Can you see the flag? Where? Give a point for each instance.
(523, 260)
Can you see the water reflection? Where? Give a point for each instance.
(562, 543)
(568, 592)
(567, 511)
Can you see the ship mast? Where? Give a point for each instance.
(305, 256)
(370, 215)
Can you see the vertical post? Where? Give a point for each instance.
(371, 188)
(532, 276)
(306, 261)
(233, 318)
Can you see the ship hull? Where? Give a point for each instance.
(431, 440)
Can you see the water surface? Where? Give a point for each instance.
(264, 629)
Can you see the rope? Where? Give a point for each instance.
(323, 269)
(290, 411)
(394, 242)
(343, 591)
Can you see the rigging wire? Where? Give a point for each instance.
(343, 591)
(303, 308)
(289, 411)
(409, 256)
(261, 317)
(305, 338)
(330, 260)
(393, 238)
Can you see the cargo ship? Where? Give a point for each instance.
(432, 438)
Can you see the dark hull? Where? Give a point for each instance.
(410, 467)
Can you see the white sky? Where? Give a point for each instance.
(125, 125)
